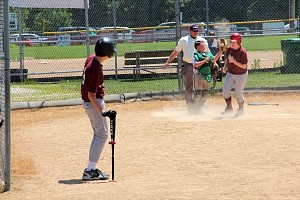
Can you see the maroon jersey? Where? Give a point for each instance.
(92, 78)
(239, 55)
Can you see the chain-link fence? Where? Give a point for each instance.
(4, 137)
(51, 44)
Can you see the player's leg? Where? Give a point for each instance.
(205, 92)
(198, 92)
(100, 135)
(188, 77)
(226, 92)
(240, 82)
(214, 73)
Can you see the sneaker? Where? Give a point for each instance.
(94, 174)
(239, 112)
(227, 110)
(194, 108)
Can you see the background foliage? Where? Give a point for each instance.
(133, 13)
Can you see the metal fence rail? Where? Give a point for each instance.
(2, 134)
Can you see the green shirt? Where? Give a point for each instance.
(204, 69)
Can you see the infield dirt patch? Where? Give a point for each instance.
(162, 152)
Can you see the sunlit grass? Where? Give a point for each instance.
(33, 91)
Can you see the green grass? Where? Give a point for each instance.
(272, 79)
(50, 52)
(259, 43)
(79, 51)
(32, 91)
(265, 43)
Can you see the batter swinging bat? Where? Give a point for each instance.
(262, 104)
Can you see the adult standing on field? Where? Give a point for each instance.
(212, 43)
(236, 66)
(92, 91)
(186, 45)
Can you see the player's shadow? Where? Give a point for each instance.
(78, 181)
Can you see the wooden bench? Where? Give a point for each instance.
(147, 60)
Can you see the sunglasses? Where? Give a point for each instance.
(195, 31)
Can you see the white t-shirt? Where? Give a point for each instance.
(187, 46)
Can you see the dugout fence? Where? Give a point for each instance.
(48, 47)
(59, 51)
(2, 135)
(4, 99)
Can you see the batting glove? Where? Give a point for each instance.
(111, 114)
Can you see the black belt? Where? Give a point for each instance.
(186, 63)
(90, 101)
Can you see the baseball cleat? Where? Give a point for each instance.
(227, 110)
(240, 112)
(94, 174)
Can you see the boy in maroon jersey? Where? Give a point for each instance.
(237, 72)
(92, 91)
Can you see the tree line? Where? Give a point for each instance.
(148, 13)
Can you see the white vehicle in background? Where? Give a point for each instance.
(31, 39)
(75, 35)
(167, 31)
(124, 34)
(287, 26)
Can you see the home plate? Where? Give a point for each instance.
(284, 114)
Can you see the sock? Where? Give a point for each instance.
(91, 165)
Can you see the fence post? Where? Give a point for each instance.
(6, 110)
(178, 35)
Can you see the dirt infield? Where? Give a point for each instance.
(162, 152)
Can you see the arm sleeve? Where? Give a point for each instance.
(179, 46)
(194, 60)
(244, 58)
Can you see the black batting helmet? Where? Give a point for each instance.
(105, 47)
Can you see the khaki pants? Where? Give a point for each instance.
(187, 75)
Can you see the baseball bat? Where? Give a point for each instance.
(262, 104)
(112, 143)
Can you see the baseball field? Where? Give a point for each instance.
(162, 151)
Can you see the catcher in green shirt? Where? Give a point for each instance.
(203, 63)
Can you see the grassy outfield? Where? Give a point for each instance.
(32, 91)
(259, 43)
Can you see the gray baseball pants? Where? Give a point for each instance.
(99, 126)
(239, 82)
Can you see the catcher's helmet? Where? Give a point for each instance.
(236, 37)
(197, 43)
(105, 47)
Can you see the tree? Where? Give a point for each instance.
(50, 19)
(267, 10)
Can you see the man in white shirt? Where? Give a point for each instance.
(186, 45)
